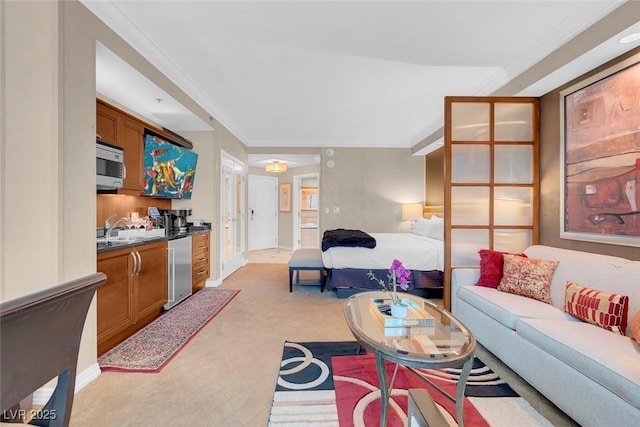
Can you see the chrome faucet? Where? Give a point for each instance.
(107, 225)
(110, 227)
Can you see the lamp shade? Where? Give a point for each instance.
(276, 167)
(411, 211)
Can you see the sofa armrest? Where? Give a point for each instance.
(462, 277)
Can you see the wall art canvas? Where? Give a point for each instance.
(169, 170)
(601, 158)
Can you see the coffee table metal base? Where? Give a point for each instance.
(385, 388)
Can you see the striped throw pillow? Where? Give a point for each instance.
(609, 311)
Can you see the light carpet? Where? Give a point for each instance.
(332, 384)
(152, 347)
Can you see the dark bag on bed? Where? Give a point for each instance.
(348, 238)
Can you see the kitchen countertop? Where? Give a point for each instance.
(137, 241)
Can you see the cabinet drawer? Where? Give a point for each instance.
(200, 262)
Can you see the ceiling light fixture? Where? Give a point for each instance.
(276, 167)
(630, 38)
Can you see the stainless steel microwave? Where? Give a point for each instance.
(110, 169)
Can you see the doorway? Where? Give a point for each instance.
(232, 215)
(306, 201)
(263, 212)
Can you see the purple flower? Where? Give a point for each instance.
(400, 274)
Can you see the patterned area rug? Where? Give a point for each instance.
(152, 347)
(335, 384)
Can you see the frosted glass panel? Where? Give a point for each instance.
(470, 205)
(514, 241)
(512, 206)
(513, 164)
(470, 121)
(513, 122)
(465, 245)
(470, 163)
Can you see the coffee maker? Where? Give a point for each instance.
(175, 220)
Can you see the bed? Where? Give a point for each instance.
(421, 251)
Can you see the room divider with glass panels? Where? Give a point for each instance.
(491, 178)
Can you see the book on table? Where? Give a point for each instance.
(416, 315)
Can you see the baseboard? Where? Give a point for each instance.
(43, 394)
(213, 283)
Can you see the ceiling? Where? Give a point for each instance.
(339, 73)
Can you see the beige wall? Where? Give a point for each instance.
(550, 179)
(369, 186)
(434, 179)
(48, 157)
(47, 163)
(203, 204)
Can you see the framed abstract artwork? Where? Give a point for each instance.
(600, 157)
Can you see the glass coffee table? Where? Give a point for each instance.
(432, 344)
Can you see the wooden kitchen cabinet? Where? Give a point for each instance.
(200, 262)
(107, 124)
(153, 291)
(132, 139)
(115, 296)
(134, 294)
(125, 131)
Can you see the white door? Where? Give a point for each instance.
(232, 219)
(263, 212)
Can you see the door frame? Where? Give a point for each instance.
(224, 156)
(297, 184)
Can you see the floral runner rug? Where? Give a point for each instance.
(152, 347)
(336, 384)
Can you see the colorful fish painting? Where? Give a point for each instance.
(169, 170)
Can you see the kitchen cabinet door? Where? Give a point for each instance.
(151, 289)
(107, 124)
(132, 141)
(114, 298)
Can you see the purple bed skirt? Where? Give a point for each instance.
(351, 280)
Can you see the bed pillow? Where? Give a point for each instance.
(527, 277)
(635, 327)
(421, 227)
(609, 311)
(436, 228)
(491, 263)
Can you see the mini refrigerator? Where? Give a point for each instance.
(180, 272)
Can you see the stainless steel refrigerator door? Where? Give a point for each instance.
(180, 271)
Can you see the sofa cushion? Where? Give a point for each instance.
(635, 327)
(491, 265)
(527, 277)
(507, 308)
(609, 359)
(609, 311)
(588, 269)
(626, 281)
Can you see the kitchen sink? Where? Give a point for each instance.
(109, 242)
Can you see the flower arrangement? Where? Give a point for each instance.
(398, 276)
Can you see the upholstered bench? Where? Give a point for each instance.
(306, 259)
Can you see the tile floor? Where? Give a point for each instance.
(226, 375)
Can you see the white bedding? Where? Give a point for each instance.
(414, 251)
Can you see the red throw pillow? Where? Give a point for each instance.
(609, 311)
(491, 267)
